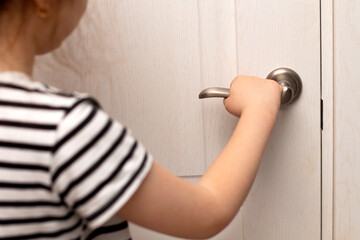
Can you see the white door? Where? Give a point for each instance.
(147, 61)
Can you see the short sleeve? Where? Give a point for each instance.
(97, 164)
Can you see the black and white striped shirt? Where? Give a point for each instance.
(66, 167)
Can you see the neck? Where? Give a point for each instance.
(18, 56)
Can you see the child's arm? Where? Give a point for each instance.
(170, 205)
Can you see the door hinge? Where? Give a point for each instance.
(322, 114)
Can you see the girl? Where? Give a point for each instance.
(67, 168)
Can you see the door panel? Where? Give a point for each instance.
(146, 61)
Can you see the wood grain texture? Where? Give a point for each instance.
(327, 94)
(141, 60)
(346, 120)
(285, 201)
(217, 30)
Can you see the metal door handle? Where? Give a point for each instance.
(287, 78)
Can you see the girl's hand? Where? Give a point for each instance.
(251, 92)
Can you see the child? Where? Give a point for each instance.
(67, 167)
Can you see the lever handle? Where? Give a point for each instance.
(215, 92)
(287, 78)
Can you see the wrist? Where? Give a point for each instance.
(261, 111)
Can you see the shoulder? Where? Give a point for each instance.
(71, 102)
(19, 88)
(70, 99)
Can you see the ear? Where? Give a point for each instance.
(43, 4)
(42, 7)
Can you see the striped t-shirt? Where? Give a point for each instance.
(66, 167)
